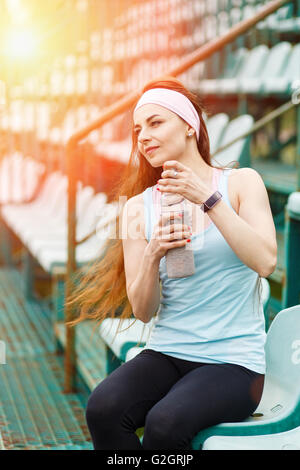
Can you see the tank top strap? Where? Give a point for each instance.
(223, 184)
(148, 212)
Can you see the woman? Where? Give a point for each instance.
(204, 362)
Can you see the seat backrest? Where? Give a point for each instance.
(235, 128)
(215, 128)
(254, 62)
(234, 62)
(88, 219)
(283, 349)
(292, 71)
(277, 60)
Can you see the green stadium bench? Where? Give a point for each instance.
(288, 440)
(240, 150)
(279, 408)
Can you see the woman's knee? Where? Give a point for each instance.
(103, 406)
(162, 431)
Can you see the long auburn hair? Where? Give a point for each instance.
(101, 289)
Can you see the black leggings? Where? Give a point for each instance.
(174, 399)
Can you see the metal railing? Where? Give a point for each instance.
(110, 112)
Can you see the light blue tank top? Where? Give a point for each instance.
(215, 315)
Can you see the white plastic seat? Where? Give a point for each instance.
(273, 67)
(32, 220)
(289, 79)
(234, 63)
(288, 440)
(51, 256)
(57, 222)
(12, 213)
(279, 408)
(19, 177)
(122, 337)
(251, 67)
(86, 223)
(215, 127)
(235, 152)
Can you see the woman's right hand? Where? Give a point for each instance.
(167, 235)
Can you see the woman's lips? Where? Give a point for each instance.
(151, 150)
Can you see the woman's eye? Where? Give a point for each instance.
(155, 122)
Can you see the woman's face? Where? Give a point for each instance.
(161, 134)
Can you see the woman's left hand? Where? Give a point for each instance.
(185, 182)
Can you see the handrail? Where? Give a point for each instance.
(110, 112)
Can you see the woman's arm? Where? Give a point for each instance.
(141, 267)
(251, 234)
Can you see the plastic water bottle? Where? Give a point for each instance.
(179, 261)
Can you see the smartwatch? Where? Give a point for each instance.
(211, 201)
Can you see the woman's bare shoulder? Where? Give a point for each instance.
(134, 212)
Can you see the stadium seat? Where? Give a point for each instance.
(274, 66)
(288, 440)
(289, 79)
(233, 64)
(19, 177)
(50, 257)
(279, 408)
(239, 151)
(215, 127)
(251, 67)
(121, 337)
(86, 223)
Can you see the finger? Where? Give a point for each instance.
(178, 235)
(166, 181)
(176, 228)
(174, 164)
(168, 217)
(173, 244)
(172, 173)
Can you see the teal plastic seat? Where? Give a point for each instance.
(279, 408)
(239, 151)
(234, 62)
(289, 80)
(251, 67)
(274, 66)
(288, 440)
(215, 127)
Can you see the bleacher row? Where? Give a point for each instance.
(260, 71)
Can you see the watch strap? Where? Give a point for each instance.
(211, 201)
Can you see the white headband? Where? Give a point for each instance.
(174, 101)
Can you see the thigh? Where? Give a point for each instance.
(209, 395)
(134, 387)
